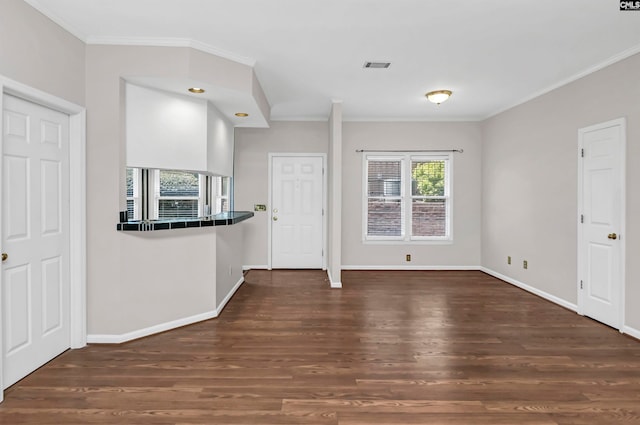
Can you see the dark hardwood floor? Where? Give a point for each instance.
(389, 348)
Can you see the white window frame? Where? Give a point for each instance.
(136, 198)
(155, 189)
(447, 158)
(217, 193)
(407, 198)
(365, 191)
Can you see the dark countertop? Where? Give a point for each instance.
(221, 219)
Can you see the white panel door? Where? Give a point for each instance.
(296, 212)
(602, 201)
(35, 237)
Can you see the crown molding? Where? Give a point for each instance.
(170, 42)
(597, 67)
(139, 41)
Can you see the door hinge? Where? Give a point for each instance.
(580, 284)
(582, 153)
(581, 218)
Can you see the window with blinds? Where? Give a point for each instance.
(174, 194)
(384, 198)
(408, 197)
(178, 194)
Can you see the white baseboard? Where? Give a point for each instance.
(631, 332)
(538, 292)
(229, 295)
(254, 267)
(163, 327)
(406, 267)
(332, 283)
(140, 333)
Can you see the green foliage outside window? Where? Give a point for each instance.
(427, 178)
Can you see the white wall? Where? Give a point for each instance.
(251, 186)
(229, 250)
(465, 249)
(37, 52)
(530, 166)
(251, 178)
(165, 130)
(175, 132)
(166, 276)
(220, 141)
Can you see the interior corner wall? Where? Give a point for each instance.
(464, 252)
(251, 174)
(37, 52)
(135, 281)
(530, 182)
(334, 195)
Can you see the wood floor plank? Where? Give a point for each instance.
(436, 348)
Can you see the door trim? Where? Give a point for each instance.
(622, 123)
(270, 156)
(77, 203)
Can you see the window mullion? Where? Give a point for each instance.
(155, 189)
(406, 201)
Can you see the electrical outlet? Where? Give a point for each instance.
(508, 259)
(525, 264)
(408, 257)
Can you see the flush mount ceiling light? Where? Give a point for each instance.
(196, 90)
(241, 114)
(438, 96)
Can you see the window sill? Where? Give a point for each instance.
(222, 219)
(407, 242)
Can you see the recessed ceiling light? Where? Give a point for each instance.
(196, 90)
(241, 114)
(438, 96)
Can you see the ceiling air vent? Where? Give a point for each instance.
(377, 65)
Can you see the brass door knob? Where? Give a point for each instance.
(5, 256)
(612, 236)
(275, 218)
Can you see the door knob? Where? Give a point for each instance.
(5, 256)
(612, 236)
(275, 218)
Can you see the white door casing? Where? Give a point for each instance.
(297, 211)
(35, 236)
(601, 231)
(76, 188)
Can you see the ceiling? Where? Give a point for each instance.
(493, 54)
